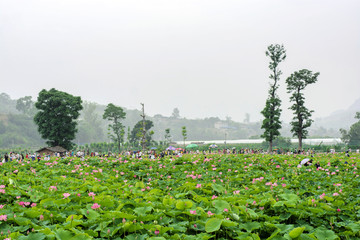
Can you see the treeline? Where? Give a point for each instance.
(17, 127)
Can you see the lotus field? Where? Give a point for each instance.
(250, 196)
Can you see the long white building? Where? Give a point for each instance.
(314, 141)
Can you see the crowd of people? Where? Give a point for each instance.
(154, 154)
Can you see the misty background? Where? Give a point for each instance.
(206, 58)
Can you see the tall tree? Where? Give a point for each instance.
(352, 137)
(167, 136)
(296, 84)
(137, 132)
(184, 134)
(56, 117)
(271, 123)
(115, 114)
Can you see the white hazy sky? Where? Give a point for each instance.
(206, 58)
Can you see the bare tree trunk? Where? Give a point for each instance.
(300, 142)
(270, 146)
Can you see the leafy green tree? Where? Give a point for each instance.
(26, 106)
(184, 134)
(271, 123)
(352, 137)
(296, 84)
(115, 114)
(167, 136)
(137, 132)
(56, 117)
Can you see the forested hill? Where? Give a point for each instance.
(18, 129)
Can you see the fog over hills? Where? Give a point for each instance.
(339, 119)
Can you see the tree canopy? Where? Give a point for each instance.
(56, 117)
(115, 114)
(296, 83)
(352, 137)
(137, 132)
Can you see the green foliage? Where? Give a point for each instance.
(246, 196)
(352, 137)
(167, 136)
(115, 114)
(271, 112)
(137, 133)
(184, 134)
(213, 225)
(56, 117)
(296, 84)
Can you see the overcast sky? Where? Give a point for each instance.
(207, 58)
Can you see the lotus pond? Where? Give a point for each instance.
(191, 197)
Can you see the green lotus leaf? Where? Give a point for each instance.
(228, 223)
(221, 205)
(296, 232)
(324, 234)
(355, 227)
(62, 234)
(217, 188)
(33, 236)
(213, 224)
(22, 221)
(136, 237)
(81, 236)
(250, 226)
(142, 211)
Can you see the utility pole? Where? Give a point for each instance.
(143, 128)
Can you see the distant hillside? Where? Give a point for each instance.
(17, 129)
(339, 119)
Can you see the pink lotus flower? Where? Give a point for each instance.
(213, 197)
(1, 206)
(210, 213)
(198, 185)
(193, 212)
(33, 205)
(3, 217)
(157, 232)
(226, 210)
(95, 206)
(91, 194)
(66, 195)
